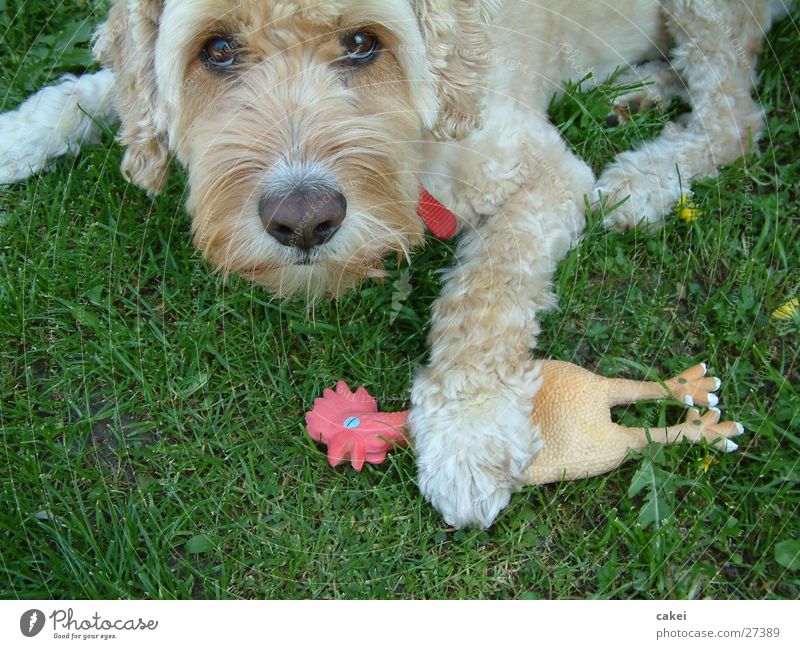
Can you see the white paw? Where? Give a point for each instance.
(56, 120)
(657, 85)
(472, 451)
(19, 158)
(642, 187)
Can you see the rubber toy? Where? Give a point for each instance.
(572, 410)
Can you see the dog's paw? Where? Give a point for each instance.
(471, 452)
(639, 101)
(637, 191)
(58, 119)
(654, 85)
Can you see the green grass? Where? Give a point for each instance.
(152, 415)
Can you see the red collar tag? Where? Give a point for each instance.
(438, 219)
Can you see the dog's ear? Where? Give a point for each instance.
(126, 44)
(457, 44)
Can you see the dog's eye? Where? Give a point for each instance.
(219, 53)
(361, 47)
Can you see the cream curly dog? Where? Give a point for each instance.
(308, 126)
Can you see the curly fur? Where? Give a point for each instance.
(125, 44)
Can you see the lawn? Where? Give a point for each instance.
(152, 414)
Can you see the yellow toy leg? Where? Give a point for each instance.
(573, 412)
(691, 387)
(694, 428)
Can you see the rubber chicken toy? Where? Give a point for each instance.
(572, 411)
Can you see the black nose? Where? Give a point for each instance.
(303, 219)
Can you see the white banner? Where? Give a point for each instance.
(400, 624)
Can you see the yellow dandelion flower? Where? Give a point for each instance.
(687, 210)
(705, 464)
(787, 311)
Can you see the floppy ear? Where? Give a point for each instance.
(125, 43)
(457, 45)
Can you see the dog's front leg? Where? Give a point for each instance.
(471, 405)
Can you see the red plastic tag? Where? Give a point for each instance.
(438, 219)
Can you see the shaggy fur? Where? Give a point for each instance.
(456, 101)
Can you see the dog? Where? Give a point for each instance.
(308, 127)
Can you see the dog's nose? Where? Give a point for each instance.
(303, 219)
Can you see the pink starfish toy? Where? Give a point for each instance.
(349, 424)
